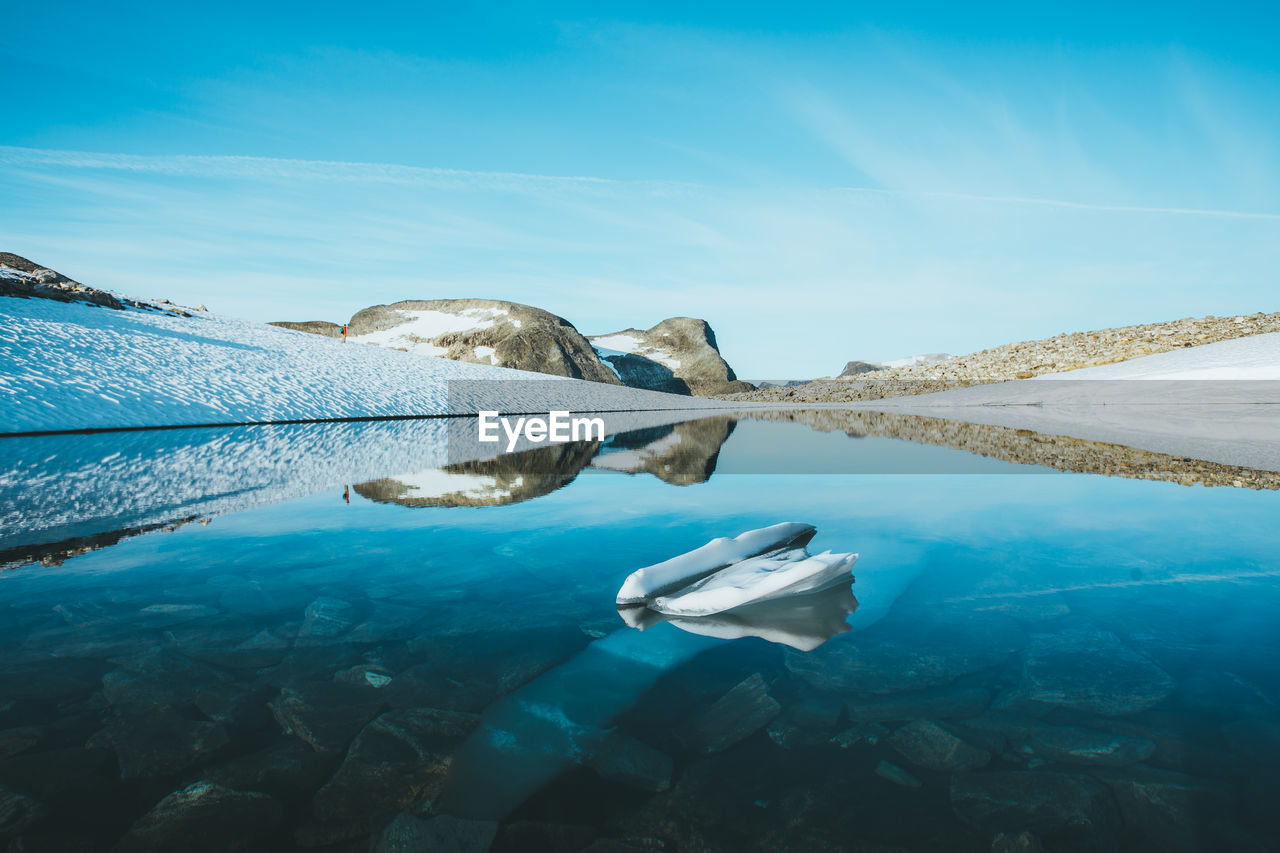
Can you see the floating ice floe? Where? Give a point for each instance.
(759, 565)
(670, 576)
(802, 621)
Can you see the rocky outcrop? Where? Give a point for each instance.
(323, 328)
(1022, 360)
(483, 331)
(678, 355)
(28, 280)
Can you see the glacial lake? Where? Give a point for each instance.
(322, 637)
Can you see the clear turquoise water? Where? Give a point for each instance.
(1011, 614)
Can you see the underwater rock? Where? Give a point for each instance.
(288, 768)
(159, 743)
(203, 818)
(896, 775)
(156, 679)
(1021, 842)
(678, 572)
(908, 657)
(868, 733)
(440, 834)
(326, 618)
(522, 836)
(1168, 809)
(325, 715)
(1035, 801)
(398, 758)
(938, 703)
(18, 740)
(1077, 745)
(18, 811)
(631, 762)
(926, 744)
(735, 716)
(1090, 670)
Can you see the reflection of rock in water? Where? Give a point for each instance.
(507, 479)
(1026, 447)
(680, 454)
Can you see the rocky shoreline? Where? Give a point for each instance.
(1023, 360)
(1026, 447)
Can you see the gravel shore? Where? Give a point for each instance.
(1023, 360)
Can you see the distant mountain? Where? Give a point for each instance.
(678, 355)
(854, 368)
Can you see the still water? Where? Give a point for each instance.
(428, 659)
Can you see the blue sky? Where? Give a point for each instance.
(820, 185)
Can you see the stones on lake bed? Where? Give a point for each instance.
(896, 775)
(18, 811)
(396, 759)
(916, 656)
(926, 744)
(325, 715)
(733, 717)
(1036, 801)
(936, 703)
(203, 817)
(631, 762)
(159, 743)
(18, 740)
(440, 834)
(1090, 670)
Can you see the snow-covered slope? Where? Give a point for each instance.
(1251, 358)
(77, 366)
(1218, 402)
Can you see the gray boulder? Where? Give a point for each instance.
(204, 816)
(679, 351)
(926, 744)
(483, 331)
(312, 327)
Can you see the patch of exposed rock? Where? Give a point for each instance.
(1023, 360)
(25, 279)
(678, 355)
(483, 331)
(323, 328)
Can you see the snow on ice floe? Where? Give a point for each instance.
(67, 366)
(787, 573)
(642, 585)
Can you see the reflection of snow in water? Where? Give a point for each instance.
(438, 483)
(634, 460)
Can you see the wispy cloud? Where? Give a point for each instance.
(1071, 205)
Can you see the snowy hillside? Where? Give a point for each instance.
(1251, 358)
(422, 326)
(78, 366)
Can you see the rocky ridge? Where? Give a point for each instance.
(1023, 360)
(679, 355)
(26, 279)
